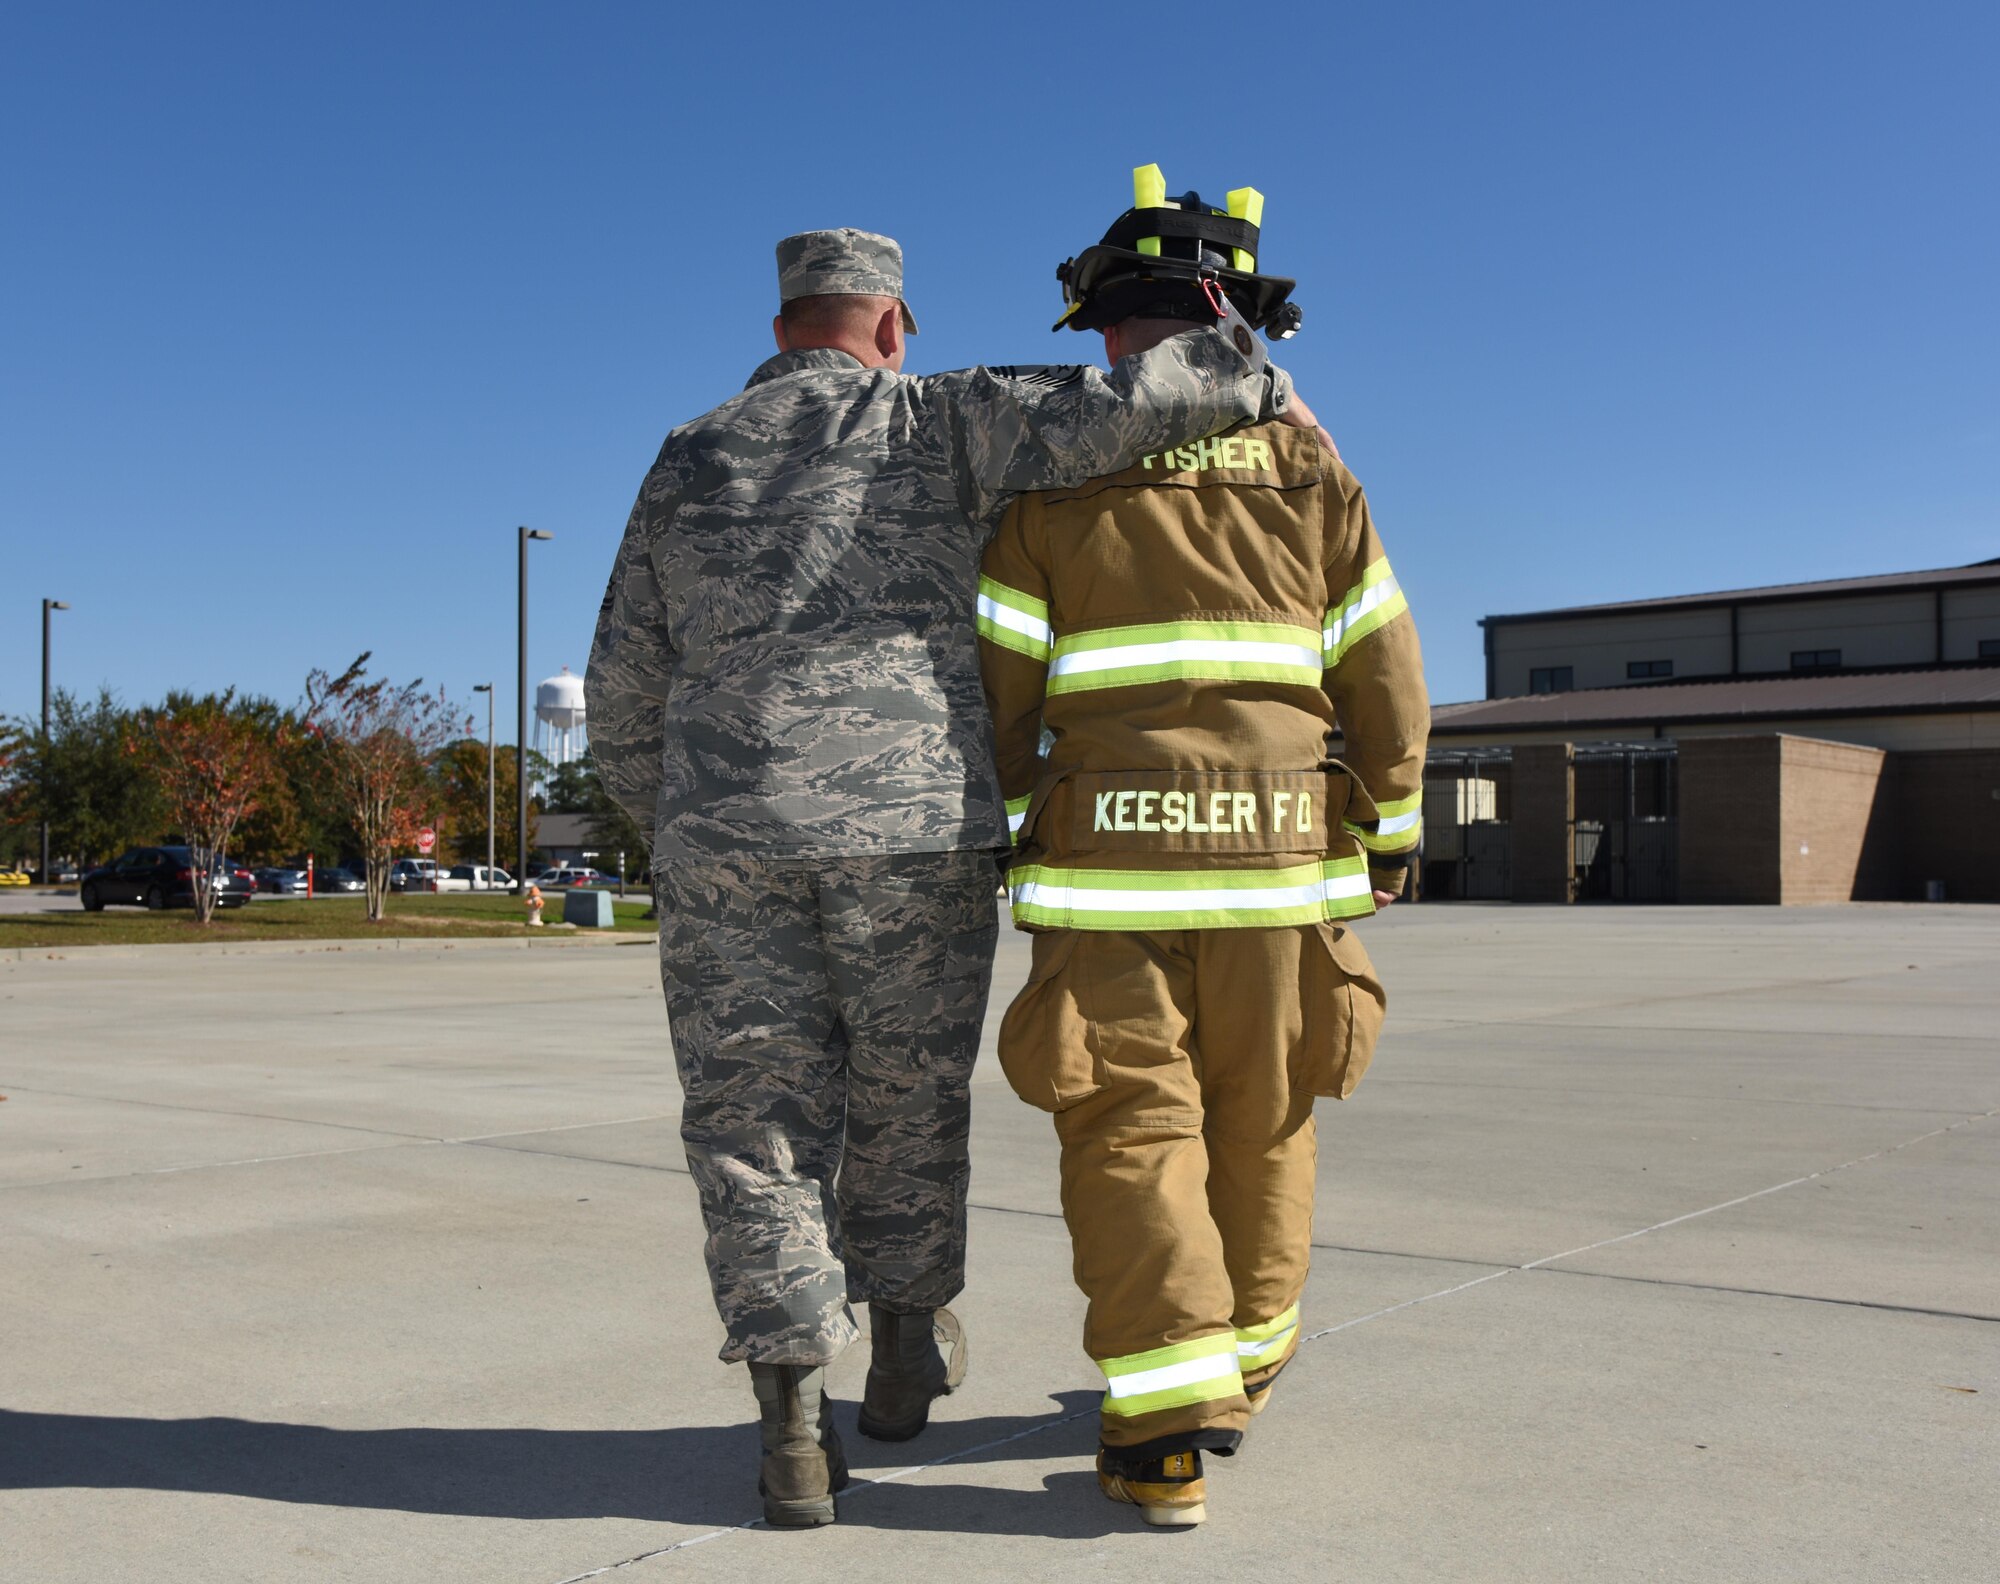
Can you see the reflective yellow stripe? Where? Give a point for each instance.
(1215, 898)
(1372, 603)
(1203, 1370)
(1393, 841)
(1017, 815)
(1260, 1345)
(1149, 191)
(1246, 203)
(1014, 620)
(1186, 651)
(1398, 824)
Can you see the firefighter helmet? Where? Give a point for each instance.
(1175, 258)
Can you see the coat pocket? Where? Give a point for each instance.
(1344, 1003)
(1045, 1038)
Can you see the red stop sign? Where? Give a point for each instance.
(426, 839)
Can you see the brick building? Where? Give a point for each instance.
(1807, 743)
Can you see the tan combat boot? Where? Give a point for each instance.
(1169, 1491)
(906, 1372)
(803, 1462)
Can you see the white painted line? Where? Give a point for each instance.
(1407, 1303)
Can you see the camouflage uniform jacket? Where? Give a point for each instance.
(785, 659)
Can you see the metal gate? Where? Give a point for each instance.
(1468, 841)
(1627, 823)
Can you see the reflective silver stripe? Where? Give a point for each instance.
(1183, 650)
(1230, 899)
(1030, 627)
(1189, 899)
(1185, 1373)
(1377, 599)
(1270, 1344)
(1342, 621)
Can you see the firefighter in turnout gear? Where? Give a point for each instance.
(1167, 651)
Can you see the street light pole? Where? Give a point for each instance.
(487, 689)
(48, 605)
(521, 738)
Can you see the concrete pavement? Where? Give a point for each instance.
(1660, 1243)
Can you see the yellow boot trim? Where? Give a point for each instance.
(1176, 1502)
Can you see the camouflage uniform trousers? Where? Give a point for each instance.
(826, 1016)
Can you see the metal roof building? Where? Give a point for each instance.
(1949, 616)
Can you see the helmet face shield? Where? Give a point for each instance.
(1163, 257)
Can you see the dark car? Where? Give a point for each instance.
(330, 882)
(161, 877)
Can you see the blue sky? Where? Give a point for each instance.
(303, 309)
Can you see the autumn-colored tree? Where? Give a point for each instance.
(380, 741)
(460, 779)
(210, 765)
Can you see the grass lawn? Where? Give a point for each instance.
(447, 916)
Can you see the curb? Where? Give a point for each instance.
(130, 952)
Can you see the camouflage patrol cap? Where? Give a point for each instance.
(840, 263)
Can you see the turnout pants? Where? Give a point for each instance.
(1182, 1068)
(825, 1017)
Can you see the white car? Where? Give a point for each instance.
(474, 877)
(568, 875)
(412, 874)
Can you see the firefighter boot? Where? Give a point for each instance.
(1260, 1394)
(906, 1372)
(803, 1462)
(1169, 1491)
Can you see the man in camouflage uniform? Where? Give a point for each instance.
(785, 690)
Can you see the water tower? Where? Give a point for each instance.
(559, 728)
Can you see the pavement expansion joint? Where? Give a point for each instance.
(1692, 1096)
(1767, 1292)
(1326, 1331)
(253, 1116)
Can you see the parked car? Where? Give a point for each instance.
(331, 882)
(161, 877)
(282, 882)
(407, 874)
(570, 875)
(475, 877)
(14, 877)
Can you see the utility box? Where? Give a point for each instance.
(587, 909)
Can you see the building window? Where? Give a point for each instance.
(1637, 670)
(1815, 659)
(1551, 679)
(1989, 648)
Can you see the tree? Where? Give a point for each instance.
(380, 742)
(577, 788)
(17, 812)
(460, 777)
(211, 765)
(81, 780)
(282, 821)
